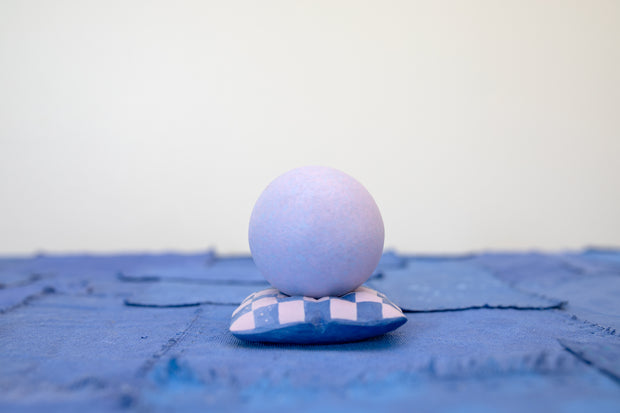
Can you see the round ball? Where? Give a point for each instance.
(316, 231)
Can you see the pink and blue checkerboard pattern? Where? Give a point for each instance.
(271, 316)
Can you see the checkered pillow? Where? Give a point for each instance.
(271, 316)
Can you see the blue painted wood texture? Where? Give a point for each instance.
(149, 332)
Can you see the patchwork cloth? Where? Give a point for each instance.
(271, 316)
(157, 354)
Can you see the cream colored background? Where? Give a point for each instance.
(130, 125)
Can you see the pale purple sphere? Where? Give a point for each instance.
(316, 231)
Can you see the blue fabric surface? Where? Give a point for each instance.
(486, 335)
(592, 292)
(453, 285)
(167, 294)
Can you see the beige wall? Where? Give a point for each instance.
(152, 125)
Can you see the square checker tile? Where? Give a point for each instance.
(316, 310)
(291, 312)
(369, 310)
(389, 311)
(266, 316)
(365, 296)
(342, 310)
(243, 322)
